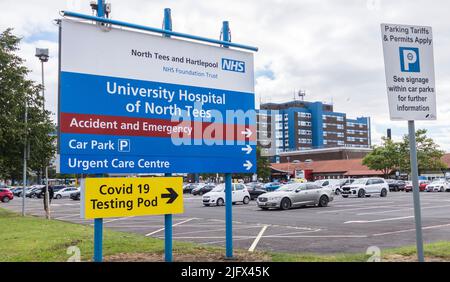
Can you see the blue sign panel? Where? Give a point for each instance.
(138, 103)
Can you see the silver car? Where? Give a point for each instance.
(295, 195)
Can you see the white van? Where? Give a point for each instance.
(217, 195)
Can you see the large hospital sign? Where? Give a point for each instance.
(132, 102)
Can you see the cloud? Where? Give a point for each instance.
(330, 49)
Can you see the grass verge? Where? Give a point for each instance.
(36, 239)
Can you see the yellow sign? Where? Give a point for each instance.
(121, 197)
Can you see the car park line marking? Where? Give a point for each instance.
(161, 229)
(409, 230)
(258, 237)
(355, 209)
(210, 230)
(116, 219)
(359, 204)
(294, 233)
(66, 216)
(378, 220)
(405, 209)
(317, 236)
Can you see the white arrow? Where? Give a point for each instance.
(247, 133)
(248, 149)
(248, 165)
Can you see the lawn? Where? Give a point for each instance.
(37, 239)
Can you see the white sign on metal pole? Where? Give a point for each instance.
(409, 66)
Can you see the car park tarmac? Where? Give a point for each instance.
(346, 225)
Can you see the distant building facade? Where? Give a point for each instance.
(302, 125)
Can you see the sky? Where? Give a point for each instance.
(330, 49)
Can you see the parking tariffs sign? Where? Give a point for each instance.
(409, 67)
(132, 102)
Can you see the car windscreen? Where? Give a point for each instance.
(289, 187)
(360, 181)
(218, 188)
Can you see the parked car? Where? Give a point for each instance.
(217, 195)
(255, 189)
(334, 184)
(33, 192)
(65, 192)
(295, 195)
(75, 196)
(439, 185)
(396, 185)
(202, 189)
(6, 195)
(272, 186)
(363, 187)
(346, 181)
(189, 187)
(422, 185)
(57, 188)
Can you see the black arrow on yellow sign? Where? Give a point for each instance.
(172, 195)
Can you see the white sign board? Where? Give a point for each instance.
(409, 66)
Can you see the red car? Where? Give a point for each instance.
(422, 185)
(6, 195)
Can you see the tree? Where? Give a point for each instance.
(395, 155)
(263, 164)
(428, 153)
(384, 158)
(16, 91)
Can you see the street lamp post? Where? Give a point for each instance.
(42, 54)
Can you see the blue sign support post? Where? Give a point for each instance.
(167, 217)
(98, 222)
(228, 185)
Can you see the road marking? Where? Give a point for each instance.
(317, 236)
(66, 216)
(161, 229)
(409, 230)
(116, 219)
(378, 220)
(406, 209)
(355, 209)
(258, 237)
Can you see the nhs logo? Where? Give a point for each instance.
(409, 59)
(233, 65)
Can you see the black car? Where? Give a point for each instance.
(56, 188)
(200, 190)
(189, 187)
(35, 192)
(396, 185)
(255, 189)
(75, 196)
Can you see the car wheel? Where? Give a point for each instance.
(220, 202)
(337, 191)
(58, 196)
(285, 204)
(246, 200)
(383, 193)
(361, 193)
(5, 200)
(323, 201)
(396, 189)
(442, 189)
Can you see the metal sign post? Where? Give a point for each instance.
(98, 222)
(410, 85)
(168, 220)
(416, 191)
(228, 178)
